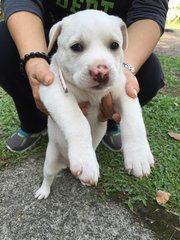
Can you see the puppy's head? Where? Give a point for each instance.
(90, 48)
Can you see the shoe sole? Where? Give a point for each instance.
(111, 149)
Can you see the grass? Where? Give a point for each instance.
(161, 116)
(171, 68)
(173, 25)
(9, 124)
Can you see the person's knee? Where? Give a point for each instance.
(8, 53)
(150, 78)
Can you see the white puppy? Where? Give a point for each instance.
(90, 56)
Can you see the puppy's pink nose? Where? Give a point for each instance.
(100, 73)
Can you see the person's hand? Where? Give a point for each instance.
(84, 107)
(38, 72)
(106, 107)
(132, 85)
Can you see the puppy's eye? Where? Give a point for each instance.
(77, 47)
(114, 46)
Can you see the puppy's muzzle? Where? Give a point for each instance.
(100, 74)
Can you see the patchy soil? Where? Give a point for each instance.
(169, 43)
(170, 91)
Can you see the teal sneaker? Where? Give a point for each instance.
(21, 141)
(112, 140)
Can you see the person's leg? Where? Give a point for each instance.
(11, 80)
(151, 79)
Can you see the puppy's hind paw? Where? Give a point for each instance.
(42, 193)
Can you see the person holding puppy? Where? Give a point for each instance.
(24, 39)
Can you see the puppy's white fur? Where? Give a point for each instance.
(73, 137)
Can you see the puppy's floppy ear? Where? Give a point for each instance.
(124, 35)
(53, 34)
(123, 30)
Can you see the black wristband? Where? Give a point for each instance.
(27, 57)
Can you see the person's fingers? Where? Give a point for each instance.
(101, 117)
(116, 117)
(39, 69)
(39, 73)
(44, 75)
(41, 107)
(106, 110)
(39, 104)
(106, 106)
(132, 90)
(84, 107)
(132, 85)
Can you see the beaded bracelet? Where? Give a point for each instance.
(27, 57)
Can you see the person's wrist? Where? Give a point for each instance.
(31, 58)
(128, 73)
(35, 63)
(129, 67)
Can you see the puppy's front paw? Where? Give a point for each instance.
(90, 173)
(42, 193)
(86, 168)
(139, 161)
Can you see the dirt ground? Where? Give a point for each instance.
(169, 43)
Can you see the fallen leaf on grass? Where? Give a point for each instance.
(176, 104)
(174, 135)
(162, 197)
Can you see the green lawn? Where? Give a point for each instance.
(161, 116)
(172, 25)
